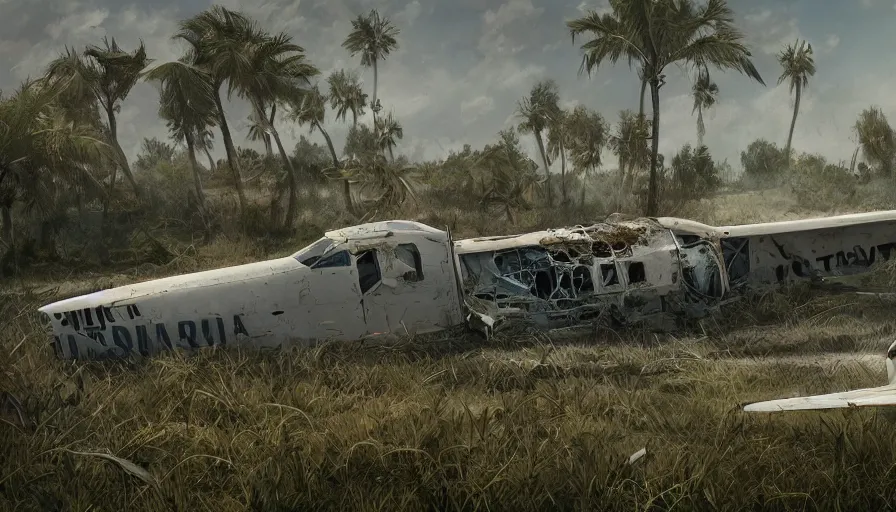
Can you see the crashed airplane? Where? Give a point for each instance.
(407, 277)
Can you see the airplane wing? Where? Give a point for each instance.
(868, 397)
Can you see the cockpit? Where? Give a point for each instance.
(311, 254)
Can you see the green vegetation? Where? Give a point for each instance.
(525, 422)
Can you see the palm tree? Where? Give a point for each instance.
(205, 142)
(388, 130)
(278, 71)
(346, 94)
(535, 113)
(558, 141)
(705, 92)
(374, 37)
(798, 66)
(217, 39)
(655, 34)
(187, 103)
(45, 153)
(108, 73)
(311, 109)
(502, 174)
(587, 139)
(629, 143)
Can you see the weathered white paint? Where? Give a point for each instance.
(564, 277)
(316, 294)
(867, 397)
(270, 303)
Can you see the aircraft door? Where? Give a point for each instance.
(408, 285)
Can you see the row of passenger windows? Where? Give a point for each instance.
(369, 268)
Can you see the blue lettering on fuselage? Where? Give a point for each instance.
(194, 334)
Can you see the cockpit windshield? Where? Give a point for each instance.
(309, 255)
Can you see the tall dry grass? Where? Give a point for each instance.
(448, 422)
(451, 423)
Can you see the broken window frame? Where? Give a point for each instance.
(311, 253)
(416, 275)
(376, 265)
(334, 260)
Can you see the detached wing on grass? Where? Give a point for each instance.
(868, 397)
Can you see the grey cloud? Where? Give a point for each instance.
(462, 65)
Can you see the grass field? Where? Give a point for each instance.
(528, 422)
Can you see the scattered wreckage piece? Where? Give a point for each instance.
(407, 277)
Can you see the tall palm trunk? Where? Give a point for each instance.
(231, 153)
(700, 129)
(197, 176)
(563, 173)
(654, 153)
(211, 161)
(6, 223)
(293, 206)
(796, 110)
(125, 166)
(197, 185)
(329, 144)
(547, 167)
(346, 186)
(373, 105)
(641, 105)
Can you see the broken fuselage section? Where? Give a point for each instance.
(624, 271)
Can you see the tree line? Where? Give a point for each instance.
(60, 146)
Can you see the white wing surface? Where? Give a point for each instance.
(868, 397)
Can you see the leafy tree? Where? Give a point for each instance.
(502, 174)
(798, 66)
(154, 152)
(693, 173)
(107, 74)
(587, 138)
(876, 140)
(44, 154)
(655, 34)
(763, 161)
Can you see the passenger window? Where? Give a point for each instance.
(608, 274)
(636, 273)
(368, 271)
(410, 256)
(339, 259)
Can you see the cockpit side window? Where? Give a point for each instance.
(309, 255)
(368, 271)
(338, 259)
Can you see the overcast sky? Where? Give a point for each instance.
(463, 64)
